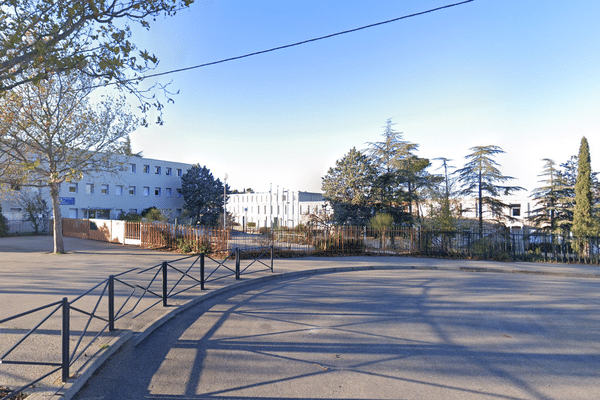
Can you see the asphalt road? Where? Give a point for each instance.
(400, 334)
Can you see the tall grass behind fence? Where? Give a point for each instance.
(489, 244)
(186, 238)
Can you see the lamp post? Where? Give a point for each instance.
(225, 202)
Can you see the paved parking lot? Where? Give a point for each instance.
(526, 331)
(399, 334)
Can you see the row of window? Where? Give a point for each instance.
(117, 213)
(250, 199)
(286, 209)
(90, 188)
(157, 169)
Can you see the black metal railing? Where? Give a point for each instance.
(136, 290)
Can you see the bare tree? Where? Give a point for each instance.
(50, 133)
(39, 38)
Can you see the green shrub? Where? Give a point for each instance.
(192, 246)
(251, 224)
(381, 221)
(153, 214)
(130, 216)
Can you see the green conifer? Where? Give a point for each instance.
(584, 223)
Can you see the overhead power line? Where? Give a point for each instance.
(298, 43)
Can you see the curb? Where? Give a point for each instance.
(129, 338)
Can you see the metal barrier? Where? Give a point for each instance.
(158, 286)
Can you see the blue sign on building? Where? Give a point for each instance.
(67, 201)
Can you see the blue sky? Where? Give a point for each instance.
(523, 75)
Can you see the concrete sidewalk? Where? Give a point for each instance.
(32, 277)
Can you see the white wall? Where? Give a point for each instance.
(287, 207)
(110, 195)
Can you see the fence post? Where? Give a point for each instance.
(201, 271)
(111, 303)
(66, 308)
(237, 263)
(271, 258)
(164, 283)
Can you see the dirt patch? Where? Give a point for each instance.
(4, 391)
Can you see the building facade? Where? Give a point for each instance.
(274, 208)
(515, 216)
(142, 183)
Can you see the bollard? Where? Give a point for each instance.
(66, 308)
(201, 271)
(111, 303)
(164, 282)
(237, 263)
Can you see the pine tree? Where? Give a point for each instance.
(481, 176)
(584, 223)
(401, 173)
(349, 188)
(546, 197)
(202, 194)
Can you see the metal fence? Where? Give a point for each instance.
(489, 244)
(71, 327)
(21, 227)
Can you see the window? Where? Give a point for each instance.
(168, 171)
(132, 168)
(178, 211)
(118, 190)
(132, 190)
(89, 188)
(168, 192)
(179, 194)
(146, 169)
(146, 191)
(515, 210)
(104, 189)
(72, 188)
(157, 170)
(157, 191)
(178, 171)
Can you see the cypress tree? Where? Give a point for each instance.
(583, 214)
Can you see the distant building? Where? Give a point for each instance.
(515, 216)
(265, 209)
(143, 183)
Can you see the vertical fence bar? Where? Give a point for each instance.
(201, 271)
(237, 263)
(111, 303)
(164, 283)
(271, 258)
(66, 308)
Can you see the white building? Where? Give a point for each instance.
(143, 183)
(266, 209)
(515, 216)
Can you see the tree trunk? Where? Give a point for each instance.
(59, 246)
